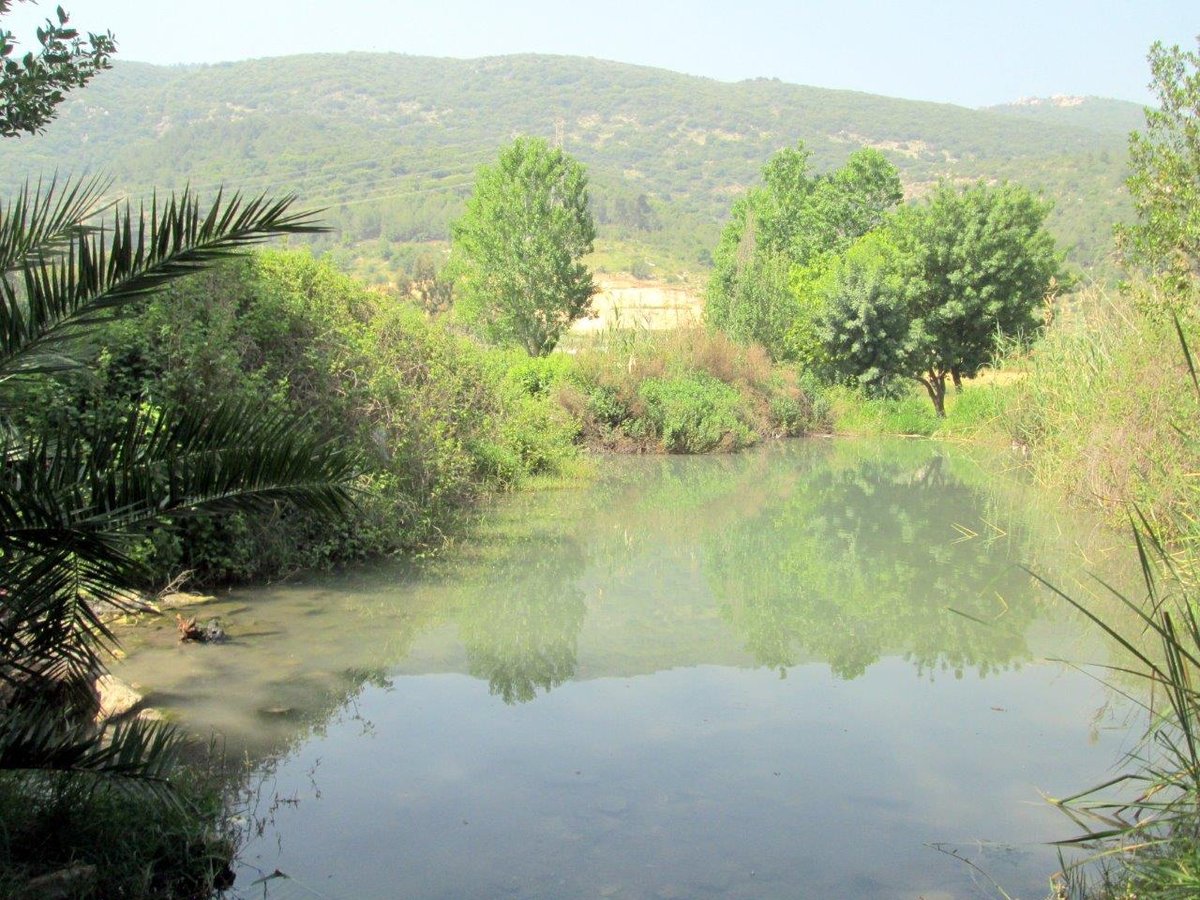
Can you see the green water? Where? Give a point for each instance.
(786, 673)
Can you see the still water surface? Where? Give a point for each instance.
(813, 670)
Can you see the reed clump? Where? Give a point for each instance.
(1100, 408)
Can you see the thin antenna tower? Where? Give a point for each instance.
(558, 133)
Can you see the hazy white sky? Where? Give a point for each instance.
(971, 52)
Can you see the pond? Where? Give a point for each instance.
(817, 669)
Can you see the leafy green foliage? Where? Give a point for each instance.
(435, 418)
(1165, 179)
(934, 294)
(388, 144)
(793, 219)
(517, 248)
(694, 413)
(682, 391)
(866, 324)
(78, 488)
(32, 87)
(759, 308)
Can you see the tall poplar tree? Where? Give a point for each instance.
(517, 249)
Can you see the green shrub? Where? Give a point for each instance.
(536, 375)
(604, 405)
(439, 418)
(695, 413)
(688, 390)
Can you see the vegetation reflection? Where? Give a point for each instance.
(886, 554)
(520, 619)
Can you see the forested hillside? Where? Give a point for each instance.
(389, 143)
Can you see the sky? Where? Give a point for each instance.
(970, 52)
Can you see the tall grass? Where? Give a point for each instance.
(124, 843)
(1100, 405)
(1149, 817)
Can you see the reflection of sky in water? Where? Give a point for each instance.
(708, 677)
(698, 782)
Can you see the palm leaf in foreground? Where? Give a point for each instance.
(43, 219)
(72, 503)
(51, 297)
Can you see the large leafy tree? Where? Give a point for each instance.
(517, 249)
(931, 296)
(793, 220)
(1165, 172)
(865, 321)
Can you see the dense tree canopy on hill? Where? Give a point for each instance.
(389, 143)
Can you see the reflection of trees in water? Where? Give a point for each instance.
(520, 624)
(865, 559)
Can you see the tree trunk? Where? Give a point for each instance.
(935, 386)
(957, 376)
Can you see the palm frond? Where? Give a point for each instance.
(34, 739)
(72, 504)
(72, 488)
(43, 219)
(49, 300)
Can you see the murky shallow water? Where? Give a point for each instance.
(814, 670)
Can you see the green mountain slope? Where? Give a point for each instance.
(389, 143)
(1097, 114)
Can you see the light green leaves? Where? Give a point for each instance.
(517, 249)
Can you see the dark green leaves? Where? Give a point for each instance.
(98, 269)
(31, 88)
(73, 500)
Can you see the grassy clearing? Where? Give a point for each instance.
(976, 412)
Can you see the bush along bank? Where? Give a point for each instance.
(683, 391)
(439, 418)
(431, 412)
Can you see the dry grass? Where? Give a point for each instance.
(618, 391)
